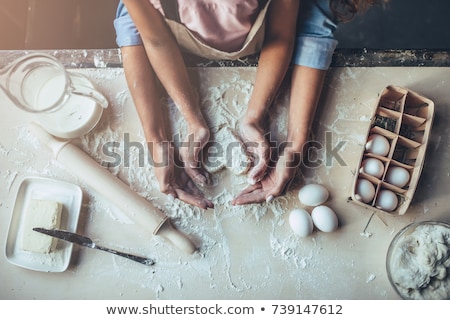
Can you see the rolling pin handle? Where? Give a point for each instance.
(179, 240)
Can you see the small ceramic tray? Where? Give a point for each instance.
(70, 196)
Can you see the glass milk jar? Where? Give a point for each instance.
(65, 103)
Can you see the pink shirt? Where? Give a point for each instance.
(221, 24)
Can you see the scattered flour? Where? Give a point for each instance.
(221, 108)
(370, 278)
(226, 151)
(365, 234)
(222, 104)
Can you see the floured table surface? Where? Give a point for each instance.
(245, 252)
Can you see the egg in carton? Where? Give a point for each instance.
(393, 156)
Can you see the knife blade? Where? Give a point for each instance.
(87, 242)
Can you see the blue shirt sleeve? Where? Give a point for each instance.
(315, 42)
(126, 32)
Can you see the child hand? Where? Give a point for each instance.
(173, 179)
(180, 186)
(190, 150)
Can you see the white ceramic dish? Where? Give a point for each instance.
(70, 195)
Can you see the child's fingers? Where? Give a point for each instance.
(169, 190)
(194, 200)
(199, 177)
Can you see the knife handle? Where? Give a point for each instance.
(143, 260)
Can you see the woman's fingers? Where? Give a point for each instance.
(279, 189)
(260, 156)
(248, 195)
(255, 196)
(285, 173)
(249, 189)
(258, 148)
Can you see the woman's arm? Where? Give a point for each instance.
(275, 55)
(273, 64)
(306, 87)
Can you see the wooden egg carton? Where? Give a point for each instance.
(405, 119)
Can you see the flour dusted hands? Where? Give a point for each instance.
(159, 58)
(190, 149)
(257, 147)
(275, 183)
(173, 179)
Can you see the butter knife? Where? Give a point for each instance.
(87, 242)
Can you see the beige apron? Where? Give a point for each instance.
(252, 44)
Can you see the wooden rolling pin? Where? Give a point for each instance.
(141, 211)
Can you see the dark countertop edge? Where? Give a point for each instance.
(111, 58)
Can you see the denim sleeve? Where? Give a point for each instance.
(314, 52)
(315, 42)
(126, 32)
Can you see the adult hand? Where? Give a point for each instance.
(257, 147)
(173, 180)
(275, 183)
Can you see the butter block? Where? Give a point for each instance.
(44, 214)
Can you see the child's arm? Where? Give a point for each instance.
(273, 63)
(142, 85)
(160, 57)
(165, 57)
(167, 62)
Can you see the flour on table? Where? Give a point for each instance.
(226, 151)
(222, 105)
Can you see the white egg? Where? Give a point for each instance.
(372, 166)
(313, 194)
(364, 190)
(397, 176)
(301, 222)
(386, 200)
(377, 144)
(324, 219)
